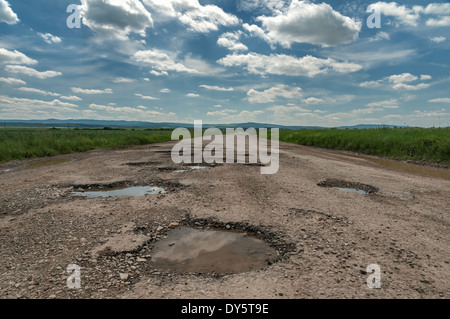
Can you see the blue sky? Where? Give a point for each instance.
(281, 62)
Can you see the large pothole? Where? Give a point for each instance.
(210, 247)
(187, 250)
(124, 189)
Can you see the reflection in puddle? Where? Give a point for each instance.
(192, 168)
(352, 190)
(188, 250)
(129, 191)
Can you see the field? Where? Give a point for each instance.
(20, 143)
(419, 144)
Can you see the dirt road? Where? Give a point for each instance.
(325, 237)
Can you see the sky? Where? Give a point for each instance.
(286, 62)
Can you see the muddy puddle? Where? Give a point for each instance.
(136, 191)
(192, 168)
(346, 186)
(352, 190)
(189, 250)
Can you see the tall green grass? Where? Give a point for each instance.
(20, 143)
(421, 144)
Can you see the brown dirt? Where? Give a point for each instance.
(326, 238)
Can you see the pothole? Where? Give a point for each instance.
(124, 189)
(187, 250)
(141, 164)
(352, 187)
(136, 191)
(208, 247)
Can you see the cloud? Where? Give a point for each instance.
(12, 81)
(313, 101)
(402, 78)
(438, 39)
(19, 69)
(26, 105)
(192, 95)
(161, 61)
(224, 112)
(380, 36)
(164, 91)
(15, 57)
(216, 88)
(71, 98)
(270, 95)
(411, 16)
(197, 17)
(161, 73)
(147, 97)
(91, 91)
(401, 13)
(305, 22)
(49, 38)
(403, 86)
(272, 6)
(123, 80)
(441, 22)
(440, 100)
(399, 82)
(388, 104)
(6, 14)
(231, 41)
(281, 64)
(437, 8)
(114, 19)
(370, 84)
(126, 113)
(33, 90)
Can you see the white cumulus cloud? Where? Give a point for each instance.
(19, 69)
(281, 64)
(271, 95)
(50, 38)
(197, 17)
(91, 91)
(161, 62)
(7, 15)
(116, 19)
(15, 57)
(305, 22)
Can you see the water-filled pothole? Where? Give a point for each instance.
(189, 250)
(352, 190)
(135, 191)
(353, 187)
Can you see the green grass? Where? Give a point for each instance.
(21, 143)
(420, 144)
(430, 144)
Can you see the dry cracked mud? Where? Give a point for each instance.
(324, 238)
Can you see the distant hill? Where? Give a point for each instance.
(170, 125)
